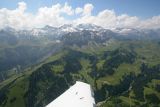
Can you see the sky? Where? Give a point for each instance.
(28, 14)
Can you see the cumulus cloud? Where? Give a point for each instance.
(67, 9)
(51, 15)
(87, 9)
(107, 18)
(78, 10)
(15, 18)
(127, 21)
(154, 22)
(55, 15)
(22, 6)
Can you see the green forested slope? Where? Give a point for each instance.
(122, 73)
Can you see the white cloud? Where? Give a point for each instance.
(154, 22)
(15, 18)
(87, 9)
(107, 18)
(127, 21)
(22, 6)
(49, 16)
(78, 10)
(67, 9)
(54, 16)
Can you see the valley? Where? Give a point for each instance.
(126, 74)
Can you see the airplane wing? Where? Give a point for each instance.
(78, 95)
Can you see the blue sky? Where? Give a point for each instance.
(141, 8)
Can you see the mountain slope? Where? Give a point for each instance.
(123, 73)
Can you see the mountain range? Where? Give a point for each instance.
(58, 32)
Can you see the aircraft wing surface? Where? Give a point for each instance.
(78, 95)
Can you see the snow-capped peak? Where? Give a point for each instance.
(68, 28)
(88, 27)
